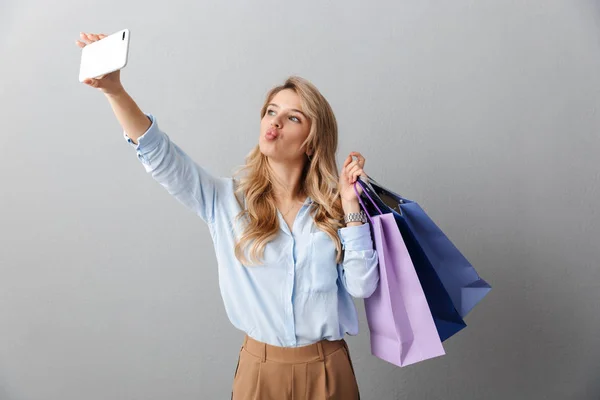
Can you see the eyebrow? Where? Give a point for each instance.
(293, 109)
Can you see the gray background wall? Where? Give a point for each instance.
(485, 112)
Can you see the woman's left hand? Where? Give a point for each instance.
(351, 170)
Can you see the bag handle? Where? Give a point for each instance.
(368, 180)
(358, 181)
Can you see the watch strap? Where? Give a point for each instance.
(356, 217)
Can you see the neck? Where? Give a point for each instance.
(286, 181)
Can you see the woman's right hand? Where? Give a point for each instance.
(108, 83)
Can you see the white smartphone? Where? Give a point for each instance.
(104, 56)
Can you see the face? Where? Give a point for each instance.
(284, 128)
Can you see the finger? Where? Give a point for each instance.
(347, 175)
(361, 159)
(351, 167)
(353, 171)
(350, 174)
(101, 35)
(351, 164)
(90, 38)
(80, 43)
(354, 177)
(85, 38)
(93, 37)
(348, 161)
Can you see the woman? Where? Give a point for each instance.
(291, 241)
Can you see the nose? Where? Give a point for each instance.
(275, 122)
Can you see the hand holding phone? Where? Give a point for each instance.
(102, 58)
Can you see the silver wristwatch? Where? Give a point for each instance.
(356, 217)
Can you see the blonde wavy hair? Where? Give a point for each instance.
(319, 179)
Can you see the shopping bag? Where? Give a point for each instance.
(447, 319)
(402, 331)
(463, 284)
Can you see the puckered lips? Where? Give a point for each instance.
(271, 134)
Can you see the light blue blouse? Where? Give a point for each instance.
(299, 294)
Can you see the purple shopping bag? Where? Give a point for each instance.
(402, 330)
(430, 247)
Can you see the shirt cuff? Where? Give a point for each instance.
(149, 140)
(356, 237)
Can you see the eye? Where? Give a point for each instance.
(293, 118)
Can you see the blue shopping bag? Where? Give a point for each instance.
(432, 247)
(445, 316)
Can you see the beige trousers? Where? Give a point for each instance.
(320, 371)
